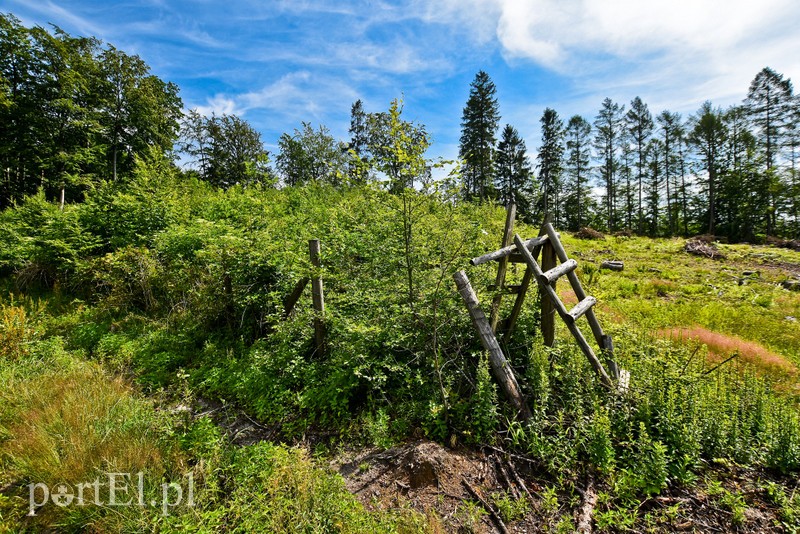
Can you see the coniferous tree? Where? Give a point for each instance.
(359, 165)
(577, 202)
(707, 135)
(551, 163)
(608, 131)
(769, 102)
(671, 134)
(514, 182)
(479, 125)
(639, 123)
(655, 178)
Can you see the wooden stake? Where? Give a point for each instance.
(502, 265)
(291, 300)
(318, 298)
(548, 310)
(500, 366)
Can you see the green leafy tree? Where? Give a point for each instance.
(237, 154)
(514, 182)
(311, 155)
(479, 123)
(551, 163)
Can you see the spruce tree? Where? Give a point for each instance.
(514, 182)
(639, 123)
(479, 125)
(551, 163)
(608, 131)
(578, 160)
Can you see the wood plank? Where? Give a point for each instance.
(551, 275)
(581, 308)
(506, 251)
(500, 366)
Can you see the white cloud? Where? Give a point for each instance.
(219, 105)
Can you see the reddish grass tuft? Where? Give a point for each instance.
(721, 346)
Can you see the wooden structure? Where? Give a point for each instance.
(554, 265)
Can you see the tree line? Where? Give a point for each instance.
(729, 172)
(75, 111)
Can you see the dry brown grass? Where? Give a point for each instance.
(721, 346)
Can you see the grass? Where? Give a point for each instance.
(66, 421)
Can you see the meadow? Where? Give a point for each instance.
(125, 315)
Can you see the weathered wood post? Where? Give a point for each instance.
(502, 266)
(318, 298)
(500, 367)
(547, 307)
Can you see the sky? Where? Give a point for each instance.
(282, 62)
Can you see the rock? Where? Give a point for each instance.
(613, 265)
(791, 285)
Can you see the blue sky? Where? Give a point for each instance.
(277, 63)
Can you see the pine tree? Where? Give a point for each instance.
(479, 125)
(514, 180)
(769, 102)
(672, 133)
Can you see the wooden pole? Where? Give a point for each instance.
(508, 251)
(318, 297)
(502, 266)
(500, 366)
(548, 309)
(291, 300)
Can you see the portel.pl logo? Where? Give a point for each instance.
(116, 489)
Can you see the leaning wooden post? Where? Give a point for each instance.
(548, 310)
(502, 266)
(318, 298)
(500, 366)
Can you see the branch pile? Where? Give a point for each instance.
(700, 248)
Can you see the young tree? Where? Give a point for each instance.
(639, 123)
(514, 174)
(608, 130)
(479, 125)
(578, 160)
